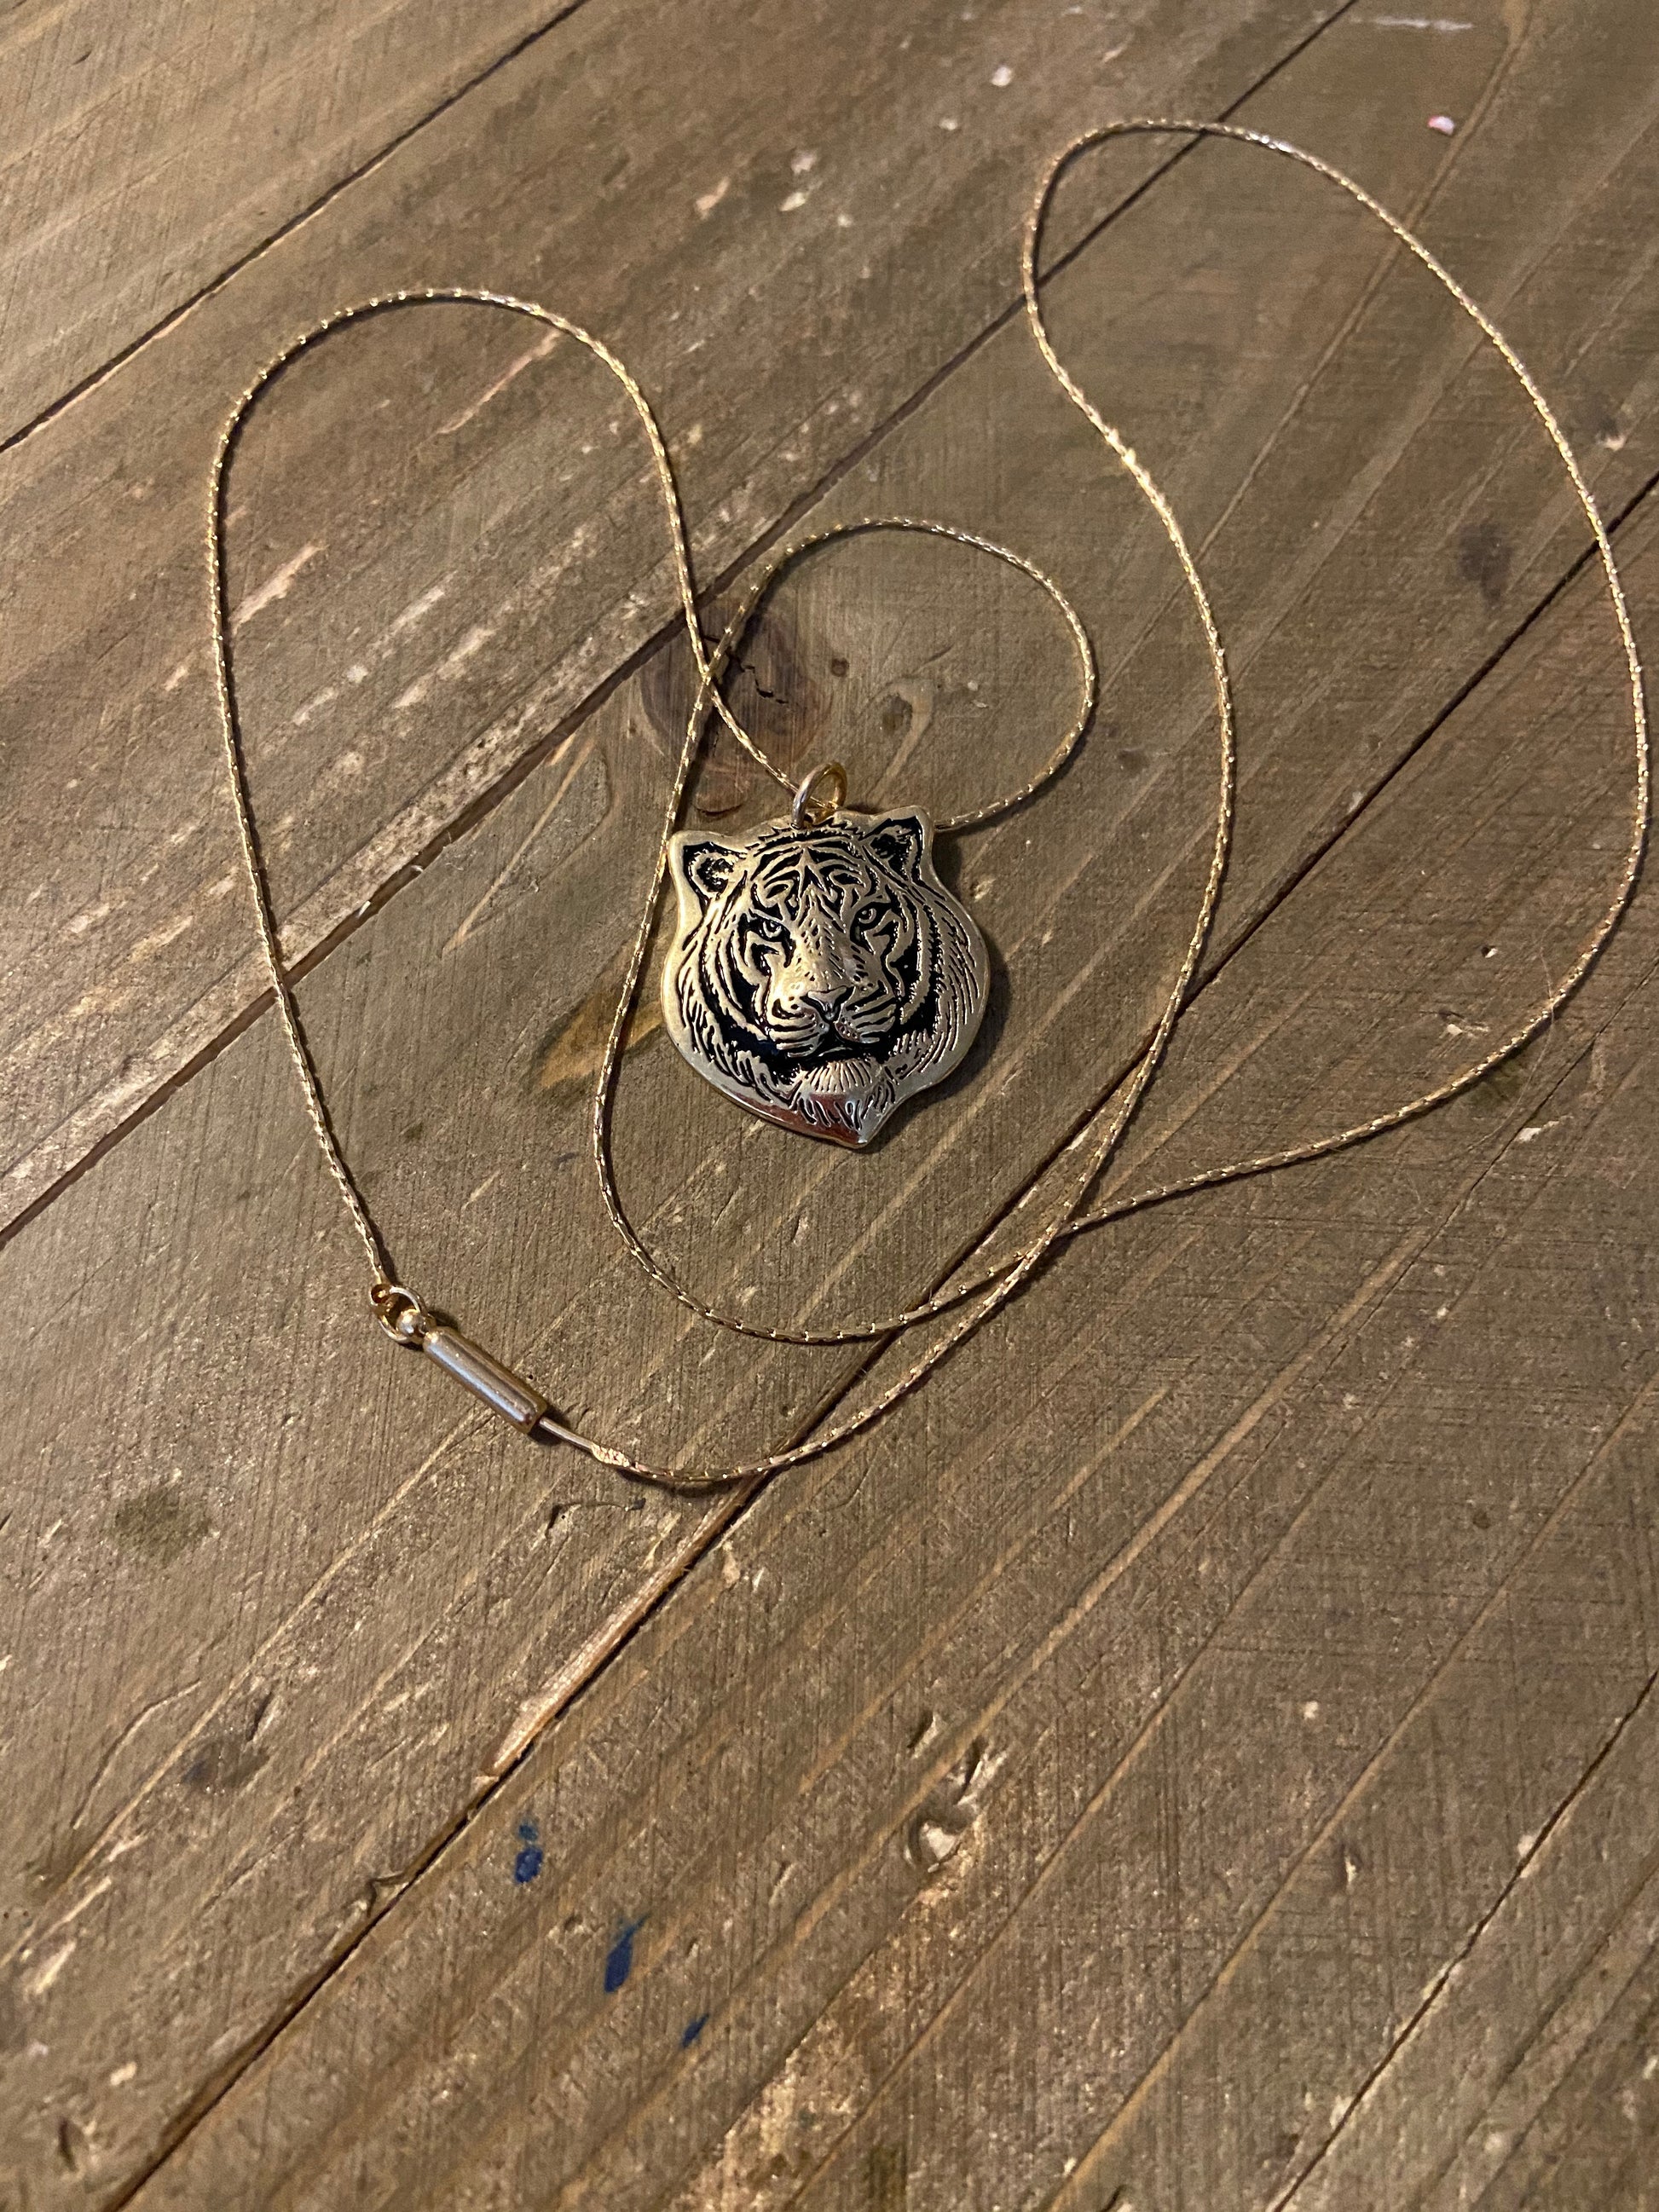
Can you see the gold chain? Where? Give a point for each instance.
(974, 1301)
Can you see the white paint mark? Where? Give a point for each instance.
(303, 714)
(795, 200)
(476, 639)
(707, 201)
(729, 1570)
(80, 923)
(949, 123)
(694, 435)
(1310, 1711)
(159, 938)
(177, 676)
(844, 221)
(1340, 2107)
(539, 351)
(1443, 124)
(417, 611)
(452, 662)
(1527, 1846)
(54, 1967)
(1535, 1129)
(804, 163)
(1494, 2142)
(1613, 442)
(274, 588)
(356, 673)
(1440, 1312)
(123, 2074)
(1443, 23)
(1002, 76)
(489, 1183)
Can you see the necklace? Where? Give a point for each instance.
(820, 974)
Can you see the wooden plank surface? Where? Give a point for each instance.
(1093, 1787)
(147, 151)
(505, 501)
(228, 1617)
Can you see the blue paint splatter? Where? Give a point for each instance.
(619, 1959)
(692, 2030)
(528, 1863)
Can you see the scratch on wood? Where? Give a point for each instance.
(274, 586)
(538, 1709)
(585, 752)
(155, 1705)
(40, 1983)
(539, 351)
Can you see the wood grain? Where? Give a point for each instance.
(147, 151)
(1569, 1947)
(426, 591)
(1575, 2123)
(1032, 1802)
(233, 1626)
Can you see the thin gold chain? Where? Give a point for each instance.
(972, 1302)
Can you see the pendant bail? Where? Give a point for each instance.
(821, 792)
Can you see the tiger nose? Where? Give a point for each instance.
(826, 993)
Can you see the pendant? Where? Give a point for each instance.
(820, 972)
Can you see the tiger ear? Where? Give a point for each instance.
(703, 865)
(901, 840)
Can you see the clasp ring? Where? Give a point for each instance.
(820, 793)
(400, 1313)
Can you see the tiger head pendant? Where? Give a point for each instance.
(820, 972)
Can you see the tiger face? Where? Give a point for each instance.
(819, 976)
